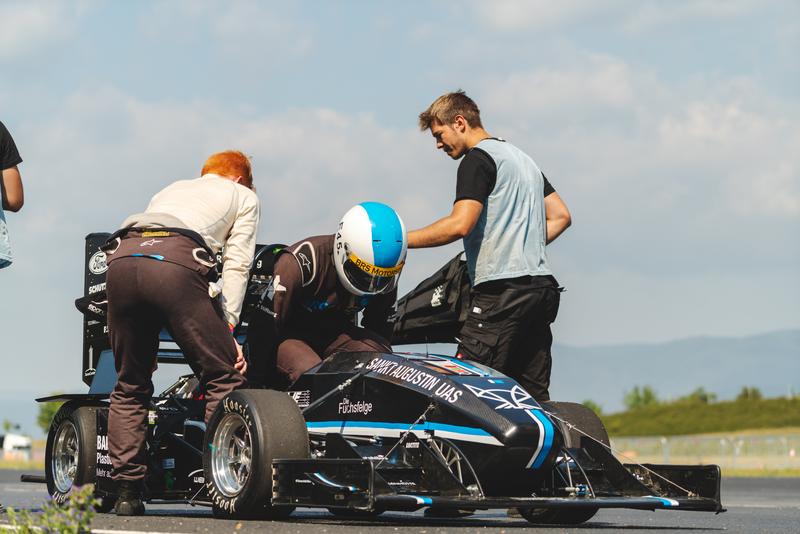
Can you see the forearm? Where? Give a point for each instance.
(238, 259)
(557, 215)
(234, 284)
(555, 227)
(12, 191)
(441, 232)
(458, 224)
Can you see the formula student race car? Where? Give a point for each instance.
(359, 434)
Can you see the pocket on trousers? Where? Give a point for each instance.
(477, 342)
(553, 301)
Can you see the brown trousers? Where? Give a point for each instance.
(144, 295)
(299, 353)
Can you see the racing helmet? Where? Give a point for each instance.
(369, 249)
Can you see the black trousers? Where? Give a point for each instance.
(145, 295)
(508, 329)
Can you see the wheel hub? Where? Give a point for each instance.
(231, 455)
(64, 462)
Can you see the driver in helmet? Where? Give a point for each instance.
(319, 286)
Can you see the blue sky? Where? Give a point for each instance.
(671, 129)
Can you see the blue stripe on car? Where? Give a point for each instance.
(333, 483)
(427, 425)
(387, 233)
(547, 443)
(665, 502)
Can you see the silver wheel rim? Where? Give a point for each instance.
(64, 462)
(231, 455)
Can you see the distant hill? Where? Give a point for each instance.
(722, 365)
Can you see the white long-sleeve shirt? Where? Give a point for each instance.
(225, 214)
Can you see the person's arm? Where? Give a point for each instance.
(13, 194)
(377, 312)
(455, 226)
(238, 257)
(557, 216)
(287, 281)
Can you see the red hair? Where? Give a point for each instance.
(230, 163)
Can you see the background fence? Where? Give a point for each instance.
(728, 451)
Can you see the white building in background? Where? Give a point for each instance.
(16, 447)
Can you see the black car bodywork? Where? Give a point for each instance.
(393, 431)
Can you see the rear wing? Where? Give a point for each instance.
(96, 345)
(95, 327)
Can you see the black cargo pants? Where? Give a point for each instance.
(508, 329)
(144, 295)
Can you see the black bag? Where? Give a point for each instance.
(435, 310)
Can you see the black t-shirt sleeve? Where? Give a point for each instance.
(9, 155)
(547, 187)
(477, 175)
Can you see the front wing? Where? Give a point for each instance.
(356, 484)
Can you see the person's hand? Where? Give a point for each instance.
(240, 364)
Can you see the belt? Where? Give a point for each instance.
(179, 246)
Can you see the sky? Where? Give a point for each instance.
(670, 129)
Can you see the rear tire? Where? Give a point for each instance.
(581, 417)
(586, 420)
(71, 451)
(248, 430)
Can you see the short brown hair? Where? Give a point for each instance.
(447, 107)
(230, 163)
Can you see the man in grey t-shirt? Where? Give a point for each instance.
(506, 212)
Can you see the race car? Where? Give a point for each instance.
(359, 434)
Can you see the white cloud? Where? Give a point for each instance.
(241, 31)
(310, 165)
(647, 15)
(29, 27)
(537, 14)
(595, 83)
(633, 15)
(673, 146)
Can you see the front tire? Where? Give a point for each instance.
(71, 451)
(586, 420)
(248, 430)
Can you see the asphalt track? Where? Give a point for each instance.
(754, 505)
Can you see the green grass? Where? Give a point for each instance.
(761, 473)
(22, 465)
(684, 418)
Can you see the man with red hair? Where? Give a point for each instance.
(161, 274)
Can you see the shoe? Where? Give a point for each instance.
(438, 512)
(129, 500)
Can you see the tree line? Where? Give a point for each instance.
(645, 397)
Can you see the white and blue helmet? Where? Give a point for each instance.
(369, 249)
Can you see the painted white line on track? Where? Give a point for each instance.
(786, 506)
(6, 528)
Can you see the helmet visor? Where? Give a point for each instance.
(367, 277)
